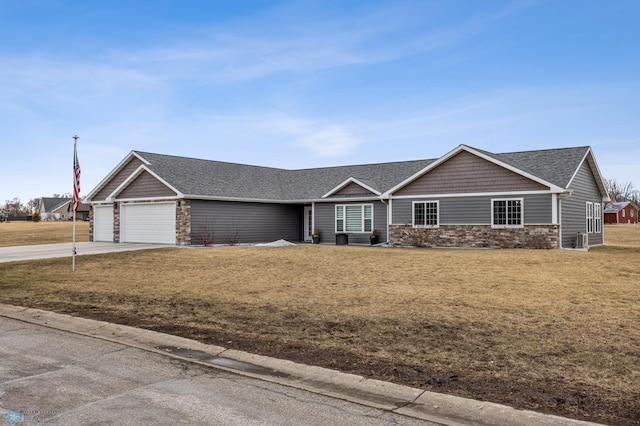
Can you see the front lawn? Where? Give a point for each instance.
(548, 330)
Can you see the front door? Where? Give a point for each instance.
(308, 224)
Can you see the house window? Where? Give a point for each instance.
(597, 213)
(622, 212)
(354, 218)
(507, 213)
(590, 221)
(425, 214)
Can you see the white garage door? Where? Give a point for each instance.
(103, 223)
(148, 223)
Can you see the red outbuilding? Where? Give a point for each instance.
(621, 212)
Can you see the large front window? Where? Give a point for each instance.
(507, 213)
(425, 213)
(354, 218)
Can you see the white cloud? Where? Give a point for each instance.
(325, 140)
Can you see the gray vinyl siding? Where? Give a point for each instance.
(253, 222)
(467, 173)
(116, 180)
(146, 186)
(325, 220)
(353, 189)
(475, 210)
(573, 209)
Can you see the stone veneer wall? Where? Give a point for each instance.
(116, 222)
(183, 222)
(476, 236)
(90, 223)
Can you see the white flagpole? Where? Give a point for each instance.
(75, 156)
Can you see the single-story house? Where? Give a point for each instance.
(53, 208)
(56, 208)
(466, 198)
(621, 212)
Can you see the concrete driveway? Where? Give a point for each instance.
(46, 251)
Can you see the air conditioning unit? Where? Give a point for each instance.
(582, 240)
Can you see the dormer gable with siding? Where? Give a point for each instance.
(354, 187)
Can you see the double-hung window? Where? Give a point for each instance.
(425, 214)
(590, 221)
(594, 218)
(354, 218)
(507, 212)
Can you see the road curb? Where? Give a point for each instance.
(417, 403)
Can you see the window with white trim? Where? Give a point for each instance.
(597, 215)
(507, 213)
(589, 215)
(354, 217)
(425, 214)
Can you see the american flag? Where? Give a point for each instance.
(76, 177)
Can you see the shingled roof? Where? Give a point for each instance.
(555, 166)
(197, 178)
(50, 204)
(206, 178)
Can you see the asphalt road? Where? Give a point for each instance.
(59, 369)
(62, 378)
(44, 251)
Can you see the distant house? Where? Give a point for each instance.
(466, 198)
(52, 208)
(621, 212)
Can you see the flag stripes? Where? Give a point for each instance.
(76, 177)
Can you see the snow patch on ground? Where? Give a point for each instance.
(279, 243)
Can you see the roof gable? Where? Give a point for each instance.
(590, 160)
(353, 186)
(118, 175)
(49, 204)
(143, 184)
(530, 180)
(467, 173)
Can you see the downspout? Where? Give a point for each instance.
(562, 196)
(313, 217)
(383, 201)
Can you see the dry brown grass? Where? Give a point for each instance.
(22, 233)
(554, 331)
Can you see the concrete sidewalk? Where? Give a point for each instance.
(412, 402)
(46, 251)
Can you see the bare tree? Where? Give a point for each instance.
(621, 191)
(15, 207)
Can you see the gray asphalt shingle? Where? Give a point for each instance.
(207, 178)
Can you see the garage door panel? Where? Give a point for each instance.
(103, 223)
(148, 223)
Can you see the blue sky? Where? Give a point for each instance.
(297, 84)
